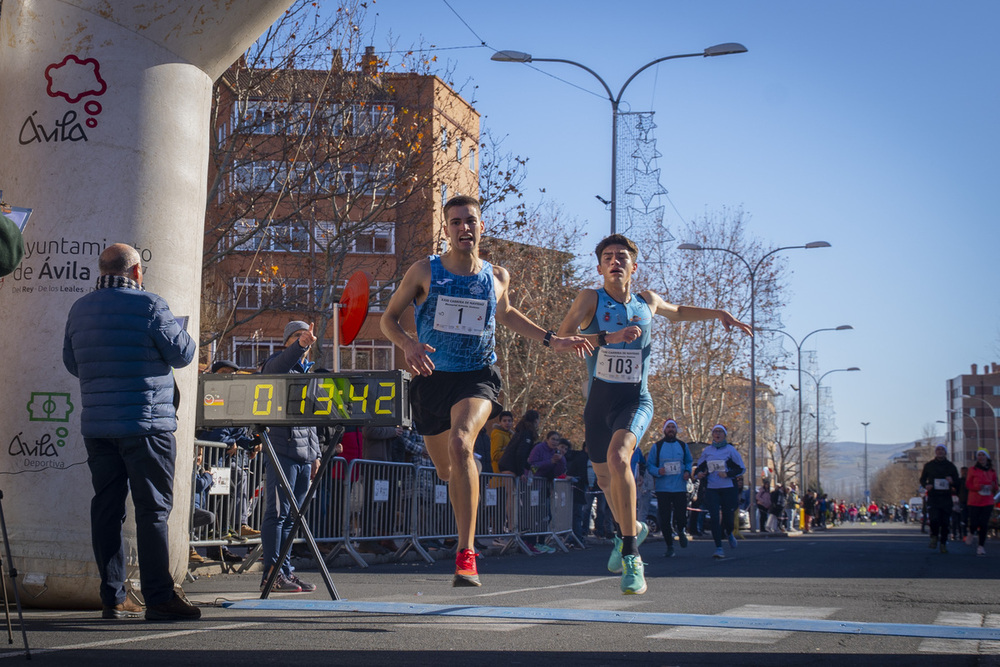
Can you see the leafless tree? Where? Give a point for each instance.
(317, 170)
(544, 281)
(700, 371)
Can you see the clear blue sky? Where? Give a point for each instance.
(871, 125)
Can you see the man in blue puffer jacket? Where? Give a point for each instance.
(122, 342)
(297, 449)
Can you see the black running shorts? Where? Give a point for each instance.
(433, 396)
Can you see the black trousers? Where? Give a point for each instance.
(673, 514)
(940, 518)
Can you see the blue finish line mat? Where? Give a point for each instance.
(635, 618)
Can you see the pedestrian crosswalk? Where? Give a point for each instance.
(963, 646)
(950, 633)
(748, 636)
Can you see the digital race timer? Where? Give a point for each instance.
(373, 398)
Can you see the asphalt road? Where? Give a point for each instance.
(834, 581)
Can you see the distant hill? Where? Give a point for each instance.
(843, 473)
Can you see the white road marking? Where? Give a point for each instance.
(959, 646)
(748, 636)
(131, 639)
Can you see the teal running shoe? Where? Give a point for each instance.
(633, 575)
(615, 560)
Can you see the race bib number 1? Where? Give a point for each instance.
(619, 365)
(457, 315)
(716, 466)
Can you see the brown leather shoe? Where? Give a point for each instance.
(175, 609)
(127, 609)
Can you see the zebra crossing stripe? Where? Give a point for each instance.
(744, 636)
(628, 617)
(957, 647)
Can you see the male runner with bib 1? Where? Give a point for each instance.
(619, 407)
(458, 298)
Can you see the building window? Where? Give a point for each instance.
(252, 293)
(366, 355)
(372, 118)
(251, 352)
(330, 119)
(378, 240)
(367, 239)
(273, 117)
(972, 412)
(444, 139)
(996, 390)
(458, 150)
(257, 294)
(472, 159)
(970, 391)
(252, 235)
(444, 194)
(269, 175)
(379, 293)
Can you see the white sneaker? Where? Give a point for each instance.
(980, 551)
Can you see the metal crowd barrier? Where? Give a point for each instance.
(366, 501)
(236, 491)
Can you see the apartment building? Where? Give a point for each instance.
(316, 175)
(972, 407)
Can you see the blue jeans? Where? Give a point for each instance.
(146, 465)
(277, 523)
(721, 505)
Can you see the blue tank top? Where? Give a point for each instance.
(624, 363)
(458, 318)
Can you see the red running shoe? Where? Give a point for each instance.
(465, 569)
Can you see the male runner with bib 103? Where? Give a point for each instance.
(619, 406)
(458, 298)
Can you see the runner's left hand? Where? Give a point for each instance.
(577, 344)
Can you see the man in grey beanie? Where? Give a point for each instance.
(297, 451)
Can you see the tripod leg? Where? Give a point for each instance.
(298, 513)
(6, 610)
(13, 582)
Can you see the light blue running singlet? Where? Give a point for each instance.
(458, 319)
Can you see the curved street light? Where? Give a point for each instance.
(753, 345)
(510, 56)
(996, 443)
(975, 425)
(819, 382)
(798, 348)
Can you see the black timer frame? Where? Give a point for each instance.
(235, 415)
(298, 511)
(356, 398)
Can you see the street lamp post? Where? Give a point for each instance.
(798, 348)
(867, 494)
(964, 438)
(508, 56)
(996, 443)
(819, 382)
(753, 345)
